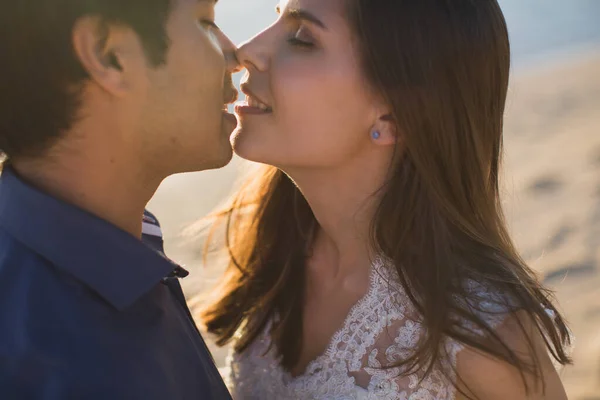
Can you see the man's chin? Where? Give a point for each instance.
(217, 159)
(223, 163)
(229, 123)
(225, 156)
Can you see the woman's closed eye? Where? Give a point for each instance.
(301, 40)
(294, 41)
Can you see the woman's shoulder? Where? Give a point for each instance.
(488, 377)
(503, 319)
(487, 301)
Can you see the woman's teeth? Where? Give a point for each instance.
(252, 102)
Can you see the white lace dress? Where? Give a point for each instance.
(380, 329)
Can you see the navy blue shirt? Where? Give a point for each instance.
(88, 311)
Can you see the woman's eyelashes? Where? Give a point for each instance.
(301, 40)
(294, 41)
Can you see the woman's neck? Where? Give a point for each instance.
(343, 201)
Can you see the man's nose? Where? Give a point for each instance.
(233, 64)
(230, 52)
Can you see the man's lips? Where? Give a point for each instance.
(230, 97)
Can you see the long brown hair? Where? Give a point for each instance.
(443, 68)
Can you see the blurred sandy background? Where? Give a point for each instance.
(551, 174)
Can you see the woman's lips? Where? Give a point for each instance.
(243, 108)
(253, 105)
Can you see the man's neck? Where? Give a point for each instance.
(111, 186)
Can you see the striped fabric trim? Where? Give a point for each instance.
(151, 230)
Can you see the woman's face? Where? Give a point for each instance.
(307, 104)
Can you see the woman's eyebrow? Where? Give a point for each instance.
(302, 15)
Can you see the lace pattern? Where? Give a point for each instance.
(381, 329)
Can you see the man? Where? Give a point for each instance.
(99, 102)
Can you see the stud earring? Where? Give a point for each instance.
(375, 135)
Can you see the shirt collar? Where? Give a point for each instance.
(112, 262)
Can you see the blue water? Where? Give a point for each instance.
(538, 28)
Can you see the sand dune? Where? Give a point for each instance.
(551, 194)
(553, 198)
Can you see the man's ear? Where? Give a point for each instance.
(106, 53)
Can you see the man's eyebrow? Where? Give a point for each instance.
(208, 1)
(302, 15)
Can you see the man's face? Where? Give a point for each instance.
(182, 118)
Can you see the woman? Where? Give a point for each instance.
(370, 258)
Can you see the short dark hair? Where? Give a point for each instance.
(40, 74)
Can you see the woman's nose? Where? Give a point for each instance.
(254, 54)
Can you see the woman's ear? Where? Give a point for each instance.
(385, 132)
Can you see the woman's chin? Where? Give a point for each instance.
(250, 155)
(246, 147)
(260, 147)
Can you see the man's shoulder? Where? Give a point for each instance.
(27, 284)
(16, 259)
(42, 316)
